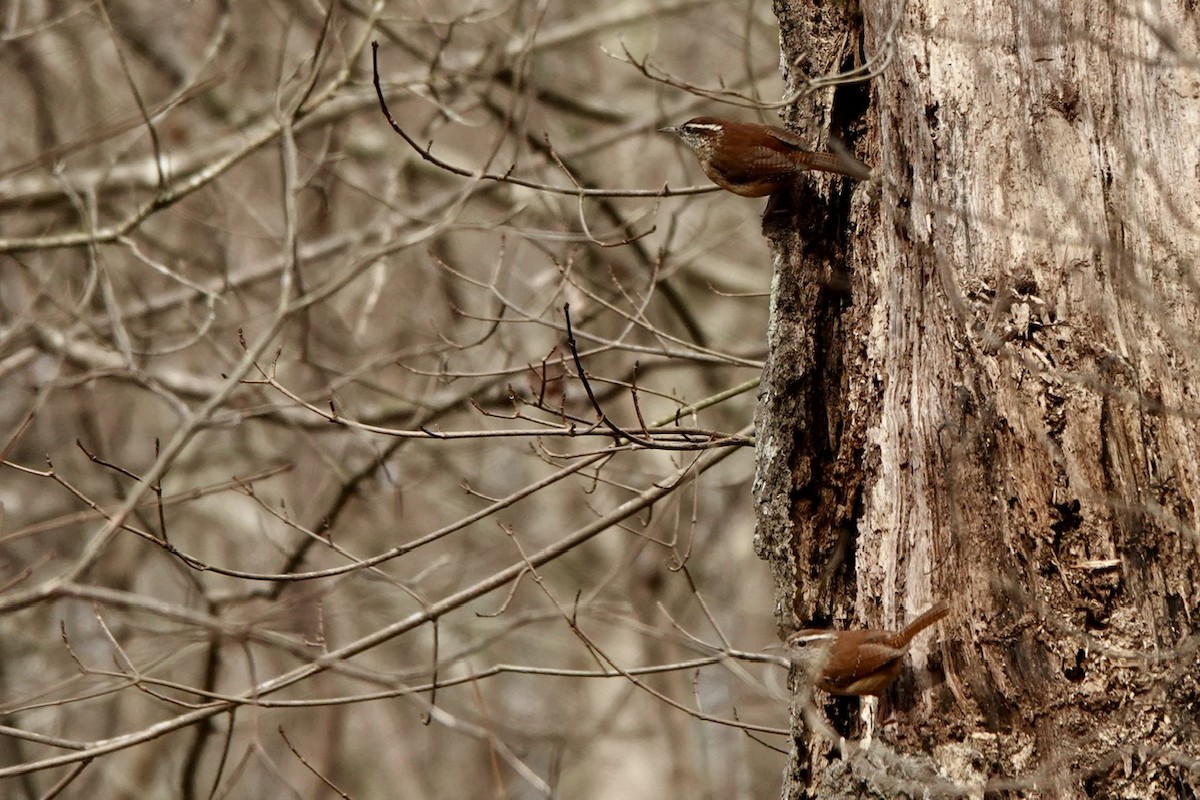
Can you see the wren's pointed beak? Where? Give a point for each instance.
(669, 130)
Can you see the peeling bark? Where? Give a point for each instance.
(983, 385)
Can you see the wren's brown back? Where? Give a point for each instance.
(754, 160)
(865, 662)
(766, 155)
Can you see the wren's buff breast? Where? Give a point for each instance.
(754, 160)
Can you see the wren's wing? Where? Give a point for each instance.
(872, 658)
(843, 163)
(752, 166)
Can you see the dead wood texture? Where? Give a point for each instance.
(983, 386)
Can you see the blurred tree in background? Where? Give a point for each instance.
(292, 432)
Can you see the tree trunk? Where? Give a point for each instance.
(983, 386)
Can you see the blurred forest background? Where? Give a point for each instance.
(290, 427)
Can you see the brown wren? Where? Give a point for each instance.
(756, 160)
(862, 662)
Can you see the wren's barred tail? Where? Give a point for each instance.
(755, 160)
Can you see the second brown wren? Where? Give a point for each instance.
(862, 662)
(755, 160)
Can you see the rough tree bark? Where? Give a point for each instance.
(983, 386)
